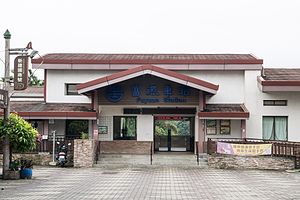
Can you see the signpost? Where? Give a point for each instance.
(21, 73)
(3, 98)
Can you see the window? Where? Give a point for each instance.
(275, 128)
(214, 127)
(71, 89)
(74, 128)
(275, 102)
(224, 127)
(211, 127)
(124, 128)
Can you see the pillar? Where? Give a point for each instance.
(201, 133)
(243, 128)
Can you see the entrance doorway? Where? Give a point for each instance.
(174, 133)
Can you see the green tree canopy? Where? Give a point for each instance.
(22, 135)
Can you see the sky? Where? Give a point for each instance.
(269, 29)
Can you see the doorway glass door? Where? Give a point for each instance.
(173, 133)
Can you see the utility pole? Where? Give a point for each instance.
(6, 146)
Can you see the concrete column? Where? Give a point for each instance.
(201, 134)
(243, 128)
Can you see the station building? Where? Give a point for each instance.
(173, 101)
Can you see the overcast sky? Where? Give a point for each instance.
(268, 29)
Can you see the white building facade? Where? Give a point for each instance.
(175, 102)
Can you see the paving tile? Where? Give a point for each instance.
(152, 184)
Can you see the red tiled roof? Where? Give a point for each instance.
(42, 109)
(281, 74)
(84, 58)
(279, 77)
(225, 111)
(31, 90)
(88, 86)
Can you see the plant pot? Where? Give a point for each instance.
(26, 173)
(11, 175)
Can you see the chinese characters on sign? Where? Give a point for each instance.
(152, 94)
(148, 93)
(21, 73)
(168, 117)
(244, 149)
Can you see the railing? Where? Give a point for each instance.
(47, 146)
(151, 152)
(279, 148)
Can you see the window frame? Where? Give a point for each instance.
(274, 124)
(67, 89)
(225, 126)
(275, 103)
(215, 127)
(116, 136)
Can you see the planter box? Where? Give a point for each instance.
(11, 175)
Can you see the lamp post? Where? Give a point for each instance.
(6, 149)
(21, 73)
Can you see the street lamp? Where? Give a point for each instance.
(20, 83)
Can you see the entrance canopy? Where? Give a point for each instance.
(152, 70)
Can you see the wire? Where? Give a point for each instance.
(39, 64)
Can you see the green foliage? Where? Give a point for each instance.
(75, 127)
(14, 165)
(22, 135)
(33, 80)
(84, 136)
(181, 127)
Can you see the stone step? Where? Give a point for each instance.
(158, 160)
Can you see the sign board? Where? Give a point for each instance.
(148, 90)
(3, 98)
(102, 129)
(244, 149)
(168, 117)
(21, 73)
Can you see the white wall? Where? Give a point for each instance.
(231, 85)
(144, 123)
(254, 102)
(228, 82)
(235, 131)
(144, 128)
(56, 79)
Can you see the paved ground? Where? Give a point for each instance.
(153, 183)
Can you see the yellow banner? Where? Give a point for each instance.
(244, 149)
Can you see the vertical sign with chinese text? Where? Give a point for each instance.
(21, 73)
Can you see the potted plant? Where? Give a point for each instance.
(26, 169)
(14, 170)
(22, 138)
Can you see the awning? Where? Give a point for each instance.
(42, 110)
(224, 111)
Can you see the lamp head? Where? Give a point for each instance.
(33, 53)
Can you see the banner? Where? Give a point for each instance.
(244, 149)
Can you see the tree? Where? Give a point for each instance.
(21, 134)
(34, 80)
